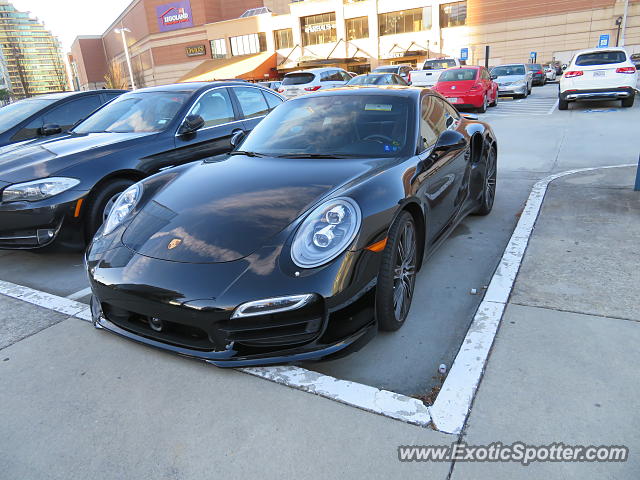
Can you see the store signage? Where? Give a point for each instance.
(319, 27)
(196, 50)
(173, 16)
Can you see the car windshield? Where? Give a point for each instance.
(438, 64)
(508, 70)
(370, 80)
(15, 113)
(297, 78)
(600, 58)
(355, 125)
(386, 69)
(459, 74)
(135, 112)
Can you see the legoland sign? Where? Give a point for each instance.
(173, 16)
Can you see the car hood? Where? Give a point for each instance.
(40, 159)
(221, 212)
(509, 79)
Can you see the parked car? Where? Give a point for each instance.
(273, 84)
(550, 72)
(468, 87)
(599, 74)
(377, 79)
(538, 73)
(403, 70)
(514, 80)
(352, 74)
(49, 114)
(63, 189)
(307, 81)
(431, 71)
(635, 59)
(310, 252)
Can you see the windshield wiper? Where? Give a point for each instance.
(248, 154)
(315, 155)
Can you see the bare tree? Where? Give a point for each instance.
(115, 77)
(20, 68)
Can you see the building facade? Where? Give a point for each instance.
(358, 35)
(165, 38)
(31, 54)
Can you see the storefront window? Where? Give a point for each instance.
(357, 28)
(246, 44)
(404, 21)
(219, 48)
(318, 29)
(283, 38)
(453, 14)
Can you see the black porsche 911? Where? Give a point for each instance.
(305, 241)
(61, 190)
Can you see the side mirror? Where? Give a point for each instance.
(494, 77)
(237, 137)
(564, 67)
(50, 129)
(191, 124)
(449, 141)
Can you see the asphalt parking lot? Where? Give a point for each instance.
(535, 140)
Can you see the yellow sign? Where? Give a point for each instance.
(196, 50)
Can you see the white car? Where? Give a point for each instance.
(302, 82)
(550, 72)
(599, 74)
(431, 71)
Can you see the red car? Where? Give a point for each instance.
(468, 87)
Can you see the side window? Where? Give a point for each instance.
(451, 115)
(29, 131)
(112, 95)
(69, 113)
(345, 76)
(252, 102)
(325, 76)
(214, 107)
(272, 100)
(432, 120)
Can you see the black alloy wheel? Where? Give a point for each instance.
(397, 276)
(489, 186)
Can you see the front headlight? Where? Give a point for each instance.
(126, 202)
(326, 232)
(38, 189)
(519, 83)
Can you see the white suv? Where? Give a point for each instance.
(599, 74)
(307, 81)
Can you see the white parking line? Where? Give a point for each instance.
(553, 109)
(79, 294)
(452, 405)
(451, 408)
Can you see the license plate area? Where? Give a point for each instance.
(599, 74)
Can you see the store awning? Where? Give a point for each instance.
(248, 67)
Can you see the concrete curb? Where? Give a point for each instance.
(451, 408)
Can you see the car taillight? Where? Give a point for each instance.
(312, 89)
(573, 73)
(409, 77)
(626, 70)
(539, 72)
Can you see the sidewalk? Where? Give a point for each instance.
(564, 366)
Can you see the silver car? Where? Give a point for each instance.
(514, 80)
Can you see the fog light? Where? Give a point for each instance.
(155, 324)
(272, 305)
(45, 235)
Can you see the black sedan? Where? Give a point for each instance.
(50, 114)
(62, 189)
(539, 75)
(305, 241)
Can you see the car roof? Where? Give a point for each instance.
(191, 87)
(377, 74)
(315, 70)
(602, 49)
(474, 67)
(511, 65)
(62, 95)
(395, 90)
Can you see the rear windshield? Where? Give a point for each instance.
(297, 78)
(508, 70)
(386, 69)
(370, 80)
(458, 74)
(534, 66)
(600, 58)
(438, 64)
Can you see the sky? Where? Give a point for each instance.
(67, 19)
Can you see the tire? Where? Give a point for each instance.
(628, 102)
(489, 185)
(397, 275)
(483, 108)
(529, 90)
(563, 104)
(95, 212)
(495, 102)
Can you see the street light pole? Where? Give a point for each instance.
(623, 27)
(122, 31)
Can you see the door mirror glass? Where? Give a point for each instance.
(191, 124)
(50, 129)
(449, 140)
